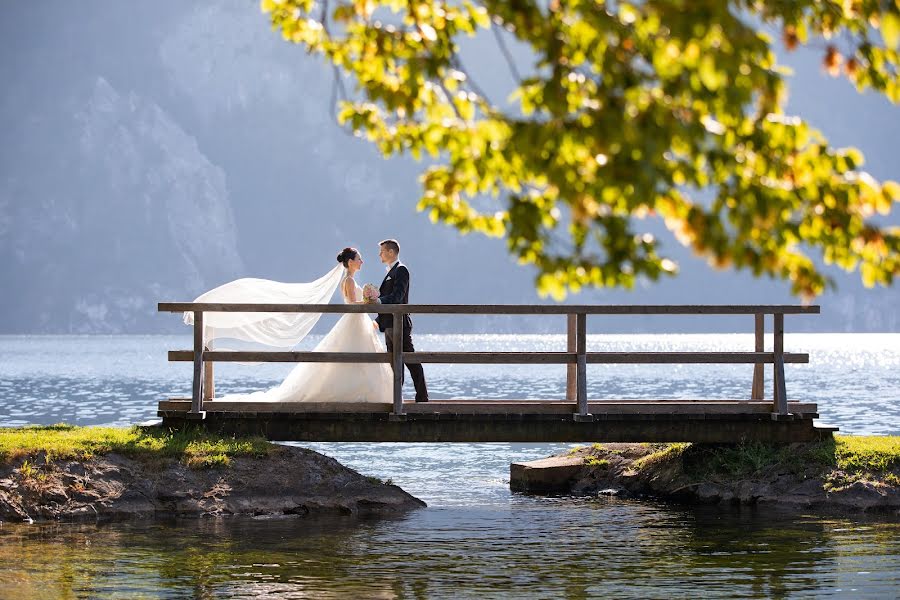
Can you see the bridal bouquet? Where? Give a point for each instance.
(370, 294)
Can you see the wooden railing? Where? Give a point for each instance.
(576, 356)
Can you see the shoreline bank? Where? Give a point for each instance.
(80, 473)
(844, 474)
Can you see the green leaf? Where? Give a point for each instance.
(628, 111)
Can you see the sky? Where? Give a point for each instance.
(152, 151)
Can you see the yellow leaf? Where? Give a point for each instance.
(868, 274)
(890, 30)
(891, 189)
(708, 74)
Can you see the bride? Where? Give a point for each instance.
(307, 382)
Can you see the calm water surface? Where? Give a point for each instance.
(475, 539)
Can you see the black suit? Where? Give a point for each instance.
(395, 290)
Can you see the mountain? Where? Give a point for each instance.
(152, 151)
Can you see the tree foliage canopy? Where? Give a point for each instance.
(658, 109)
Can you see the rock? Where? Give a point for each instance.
(674, 473)
(866, 496)
(289, 481)
(545, 476)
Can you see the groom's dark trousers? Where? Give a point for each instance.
(415, 370)
(395, 290)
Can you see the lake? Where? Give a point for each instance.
(476, 539)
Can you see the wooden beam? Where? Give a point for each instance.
(581, 364)
(274, 356)
(209, 384)
(780, 393)
(494, 357)
(397, 362)
(690, 357)
(511, 358)
(668, 407)
(756, 390)
(570, 367)
(498, 309)
(477, 429)
(251, 406)
(347, 410)
(781, 403)
(196, 411)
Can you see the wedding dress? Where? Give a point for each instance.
(340, 382)
(307, 382)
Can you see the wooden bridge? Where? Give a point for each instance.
(576, 419)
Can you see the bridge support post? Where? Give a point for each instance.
(581, 368)
(571, 368)
(397, 363)
(780, 393)
(756, 391)
(209, 384)
(197, 411)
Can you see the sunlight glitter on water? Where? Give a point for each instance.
(855, 378)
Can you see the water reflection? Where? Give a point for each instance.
(580, 549)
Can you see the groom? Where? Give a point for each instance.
(395, 290)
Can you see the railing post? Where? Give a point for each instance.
(571, 367)
(780, 392)
(397, 362)
(196, 411)
(756, 391)
(209, 384)
(581, 368)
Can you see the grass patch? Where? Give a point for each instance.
(841, 460)
(593, 461)
(740, 460)
(867, 454)
(195, 447)
(378, 481)
(664, 453)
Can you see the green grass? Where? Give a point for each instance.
(665, 453)
(844, 459)
(195, 447)
(867, 454)
(379, 481)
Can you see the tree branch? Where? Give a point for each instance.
(456, 61)
(506, 54)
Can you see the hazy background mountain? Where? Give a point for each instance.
(151, 151)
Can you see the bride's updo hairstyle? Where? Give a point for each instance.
(346, 255)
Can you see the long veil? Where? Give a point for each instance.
(279, 330)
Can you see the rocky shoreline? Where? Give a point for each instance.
(795, 476)
(287, 481)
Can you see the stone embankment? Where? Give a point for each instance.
(288, 481)
(796, 476)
